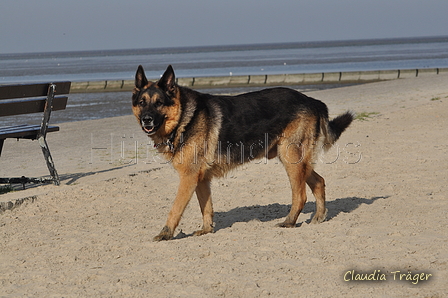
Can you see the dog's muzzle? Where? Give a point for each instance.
(148, 125)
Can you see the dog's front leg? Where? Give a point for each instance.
(187, 185)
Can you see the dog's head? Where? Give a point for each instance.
(156, 105)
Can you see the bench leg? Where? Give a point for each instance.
(1, 145)
(41, 137)
(46, 151)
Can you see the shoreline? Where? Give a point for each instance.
(349, 77)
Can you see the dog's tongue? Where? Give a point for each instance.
(148, 130)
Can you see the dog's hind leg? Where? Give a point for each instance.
(317, 185)
(187, 185)
(203, 193)
(298, 170)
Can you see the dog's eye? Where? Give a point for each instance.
(157, 104)
(141, 103)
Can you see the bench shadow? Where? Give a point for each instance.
(72, 178)
(66, 178)
(276, 211)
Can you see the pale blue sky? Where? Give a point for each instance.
(58, 25)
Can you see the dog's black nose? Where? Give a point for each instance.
(147, 119)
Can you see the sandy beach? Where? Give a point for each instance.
(92, 236)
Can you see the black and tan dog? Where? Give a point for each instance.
(205, 136)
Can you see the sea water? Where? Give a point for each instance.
(280, 58)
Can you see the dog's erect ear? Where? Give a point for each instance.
(168, 80)
(140, 78)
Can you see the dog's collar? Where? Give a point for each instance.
(169, 142)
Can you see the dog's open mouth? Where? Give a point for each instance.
(149, 129)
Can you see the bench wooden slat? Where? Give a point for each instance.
(11, 128)
(23, 131)
(31, 90)
(28, 106)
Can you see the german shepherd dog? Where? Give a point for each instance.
(205, 136)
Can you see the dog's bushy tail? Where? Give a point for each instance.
(333, 129)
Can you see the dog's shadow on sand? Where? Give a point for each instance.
(272, 212)
(277, 211)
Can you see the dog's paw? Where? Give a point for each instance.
(286, 225)
(165, 234)
(203, 231)
(318, 218)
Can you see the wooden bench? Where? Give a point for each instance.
(24, 99)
